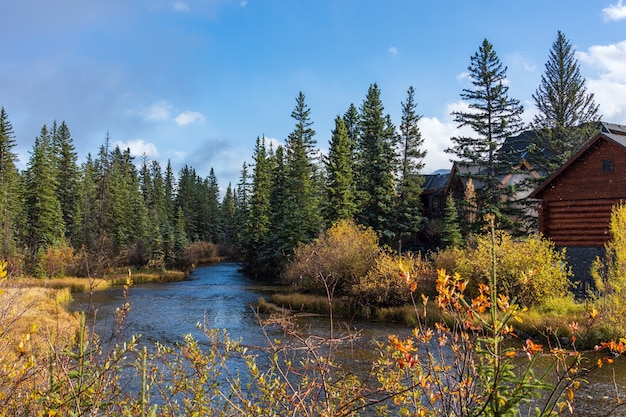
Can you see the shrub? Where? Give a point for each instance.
(339, 257)
(385, 284)
(531, 270)
(610, 274)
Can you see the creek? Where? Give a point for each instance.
(221, 297)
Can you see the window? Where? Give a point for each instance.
(607, 165)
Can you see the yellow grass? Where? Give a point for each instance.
(33, 323)
(74, 284)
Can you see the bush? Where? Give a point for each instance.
(339, 257)
(530, 270)
(386, 283)
(609, 275)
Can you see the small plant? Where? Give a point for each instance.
(610, 275)
(467, 368)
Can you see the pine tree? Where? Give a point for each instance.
(213, 208)
(67, 180)
(228, 219)
(9, 187)
(493, 116)
(340, 185)
(352, 119)
(257, 227)
(188, 200)
(242, 202)
(408, 217)
(377, 164)
(302, 200)
(451, 237)
(567, 115)
(280, 237)
(44, 217)
(88, 206)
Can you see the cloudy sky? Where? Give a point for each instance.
(197, 81)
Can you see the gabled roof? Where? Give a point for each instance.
(617, 136)
(435, 182)
(465, 170)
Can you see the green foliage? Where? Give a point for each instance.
(340, 186)
(566, 111)
(377, 163)
(408, 210)
(529, 270)
(339, 257)
(609, 274)
(493, 116)
(451, 236)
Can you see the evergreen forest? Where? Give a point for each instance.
(64, 216)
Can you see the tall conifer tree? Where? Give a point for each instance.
(44, 216)
(340, 186)
(408, 216)
(567, 114)
(257, 227)
(493, 116)
(67, 180)
(377, 163)
(302, 199)
(9, 187)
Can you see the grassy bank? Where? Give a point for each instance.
(556, 319)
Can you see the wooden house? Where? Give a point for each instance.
(575, 202)
(435, 189)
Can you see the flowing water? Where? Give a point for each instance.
(221, 297)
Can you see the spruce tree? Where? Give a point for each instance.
(67, 180)
(451, 237)
(9, 187)
(279, 241)
(567, 114)
(376, 165)
(340, 187)
(493, 116)
(88, 205)
(228, 219)
(408, 216)
(44, 217)
(257, 227)
(302, 196)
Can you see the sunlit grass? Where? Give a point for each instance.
(74, 284)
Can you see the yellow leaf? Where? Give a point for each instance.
(570, 393)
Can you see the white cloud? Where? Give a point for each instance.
(243, 3)
(615, 12)
(393, 50)
(139, 147)
(180, 6)
(519, 60)
(161, 110)
(609, 84)
(436, 134)
(188, 117)
(177, 155)
(463, 76)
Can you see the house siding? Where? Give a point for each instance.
(576, 206)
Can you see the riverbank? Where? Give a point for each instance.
(554, 320)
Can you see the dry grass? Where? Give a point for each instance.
(33, 323)
(143, 277)
(74, 284)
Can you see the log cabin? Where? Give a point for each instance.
(575, 202)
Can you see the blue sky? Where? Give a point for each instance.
(197, 81)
